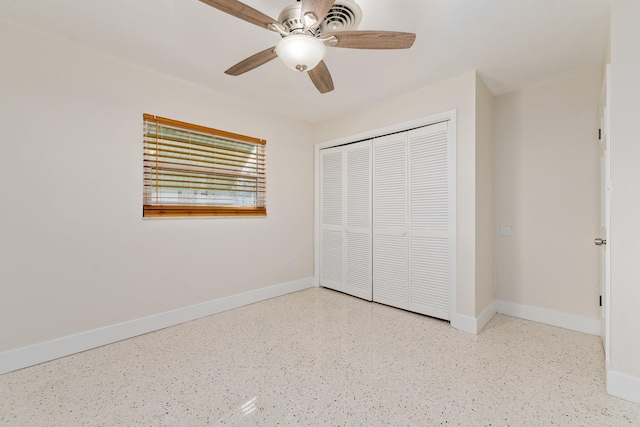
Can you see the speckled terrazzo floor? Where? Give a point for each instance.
(318, 357)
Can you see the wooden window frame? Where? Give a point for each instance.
(221, 164)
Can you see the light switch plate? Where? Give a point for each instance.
(505, 231)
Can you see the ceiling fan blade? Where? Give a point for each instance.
(321, 77)
(373, 39)
(319, 8)
(252, 62)
(242, 11)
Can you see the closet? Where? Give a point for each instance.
(387, 219)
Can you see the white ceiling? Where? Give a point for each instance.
(511, 43)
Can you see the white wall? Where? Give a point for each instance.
(454, 94)
(75, 252)
(625, 202)
(547, 189)
(485, 289)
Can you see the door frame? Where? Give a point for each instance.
(449, 116)
(605, 213)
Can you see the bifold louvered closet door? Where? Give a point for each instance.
(345, 212)
(390, 261)
(388, 219)
(431, 222)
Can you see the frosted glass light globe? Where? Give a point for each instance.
(300, 52)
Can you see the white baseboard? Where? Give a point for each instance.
(486, 315)
(464, 323)
(474, 325)
(623, 386)
(574, 322)
(49, 350)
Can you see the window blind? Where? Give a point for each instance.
(192, 170)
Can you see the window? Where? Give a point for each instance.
(192, 170)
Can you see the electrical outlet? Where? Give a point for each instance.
(288, 264)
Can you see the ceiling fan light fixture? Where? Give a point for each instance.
(300, 52)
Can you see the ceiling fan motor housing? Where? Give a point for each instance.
(290, 18)
(344, 15)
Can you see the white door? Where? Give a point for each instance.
(390, 254)
(331, 218)
(387, 220)
(345, 218)
(357, 217)
(431, 221)
(605, 191)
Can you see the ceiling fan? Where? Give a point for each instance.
(307, 28)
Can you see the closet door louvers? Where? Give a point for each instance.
(390, 220)
(430, 194)
(345, 254)
(331, 219)
(358, 219)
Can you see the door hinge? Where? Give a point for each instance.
(600, 300)
(599, 134)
